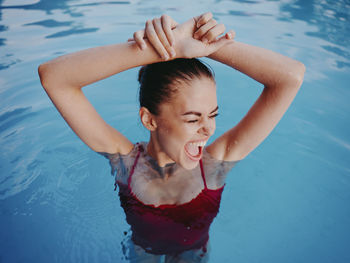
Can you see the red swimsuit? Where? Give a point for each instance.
(169, 229)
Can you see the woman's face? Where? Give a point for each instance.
(185, 124)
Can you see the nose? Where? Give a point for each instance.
(207, 128)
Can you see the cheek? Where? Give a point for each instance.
(169, 131)
(177, 134)
(188, 130)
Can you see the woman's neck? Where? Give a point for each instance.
(156, 152)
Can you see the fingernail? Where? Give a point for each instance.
(172, 53)
(143, 46)
(165, 57)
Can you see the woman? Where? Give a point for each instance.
(170, 187)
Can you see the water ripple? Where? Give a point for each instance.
(20, 178)
(73, 31)
(50, 23)
(246, 13)
(11, 118)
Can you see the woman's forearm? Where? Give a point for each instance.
(265, 66)
(88, 66)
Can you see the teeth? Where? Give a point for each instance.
(198, 144)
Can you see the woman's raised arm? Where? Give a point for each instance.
(281, 77)
(64, 77)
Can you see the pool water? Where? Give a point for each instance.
(288, 201)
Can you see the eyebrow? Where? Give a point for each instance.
(198, 113)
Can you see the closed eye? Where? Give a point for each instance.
(215, 115)
(192, 121)
(211, 117)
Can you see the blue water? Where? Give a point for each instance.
(288, 201)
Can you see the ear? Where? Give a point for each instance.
(147, 119)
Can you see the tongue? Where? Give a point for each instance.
(192, 149)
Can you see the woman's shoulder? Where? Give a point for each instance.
(215, 170)
(209, 158)
(123, 162)
(214, 165)
(116, 156)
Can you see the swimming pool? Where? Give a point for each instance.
(286, 202)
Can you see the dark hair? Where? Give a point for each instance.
(158, 81)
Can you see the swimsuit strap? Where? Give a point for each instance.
(139, 150)
(202, 173)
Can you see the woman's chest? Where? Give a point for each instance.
(166, 189)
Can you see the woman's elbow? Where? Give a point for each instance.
(296, 75)
(49, 75)
(300, 72)
(43, 74)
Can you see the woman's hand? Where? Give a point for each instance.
(200, 36)
(159, 34)
(197, 37)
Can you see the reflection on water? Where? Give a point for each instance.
(244, 13)
(50, 23)
(332, 19)
(68, 8)
(50, 6)
(56, 199)
(10, 118)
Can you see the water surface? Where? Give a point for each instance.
(286, 202)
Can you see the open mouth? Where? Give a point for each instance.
(194, 150)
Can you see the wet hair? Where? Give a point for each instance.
(159, 81)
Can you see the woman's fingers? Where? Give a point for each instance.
(230, 34)
(159, 34)
(154, 40)
(204, 29)
(168, 25)
(213, 33)
(203, 19)
(208, 29)
(225, 39)
(138, 37)
(163, 38)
